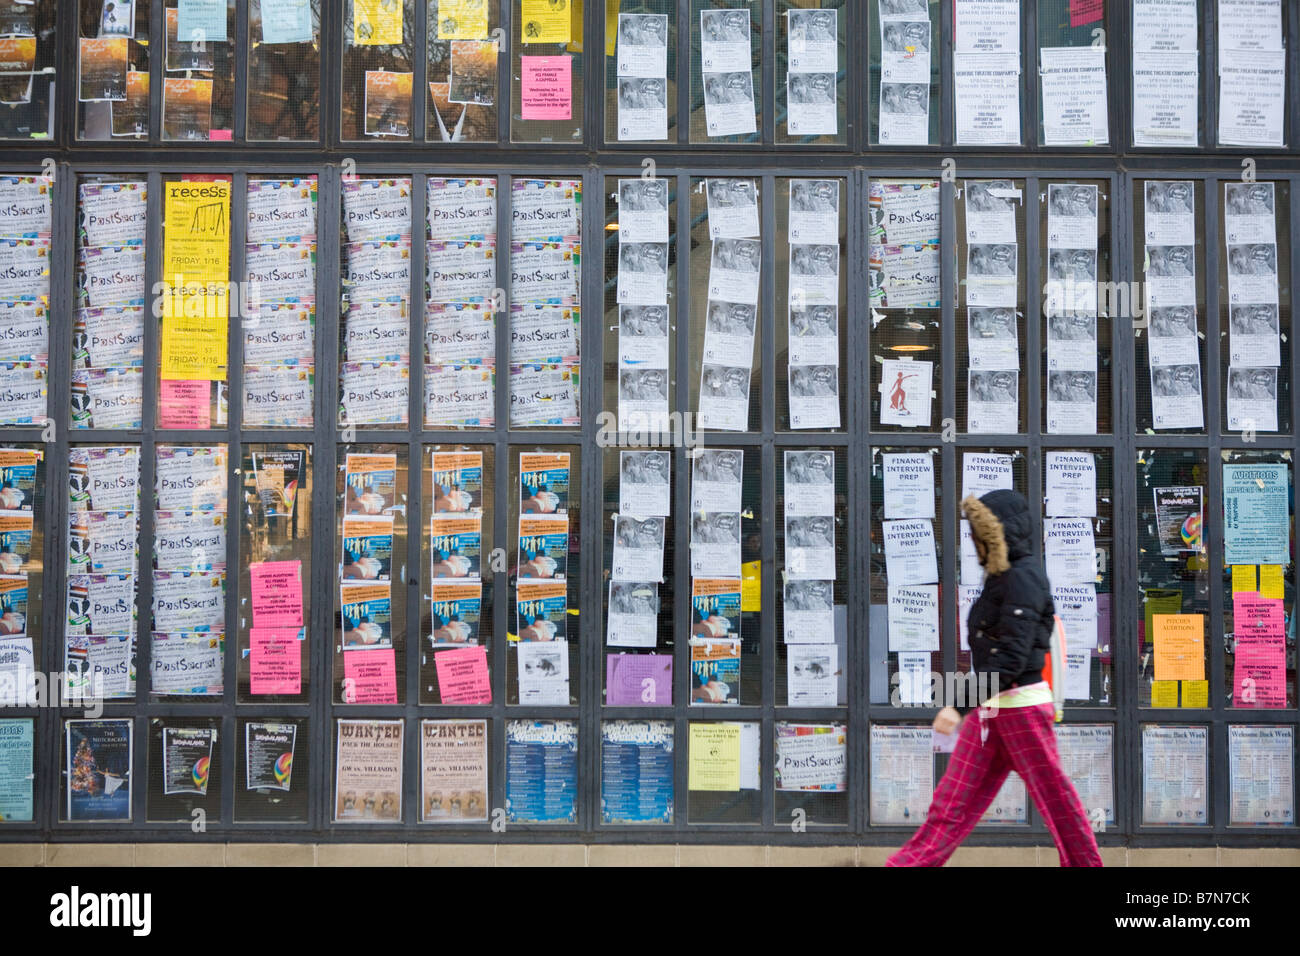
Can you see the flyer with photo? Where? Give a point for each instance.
(457, 609)
(541, 612)
(632, 619)
(455, 545)
(366, 615)
(543, 482)
(457, 482)
(645, 483)
(715, 609)
(543, 546)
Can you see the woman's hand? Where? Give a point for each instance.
(947, 721)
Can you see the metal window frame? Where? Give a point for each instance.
(595, 161)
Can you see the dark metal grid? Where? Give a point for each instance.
(592, 599)
(1117, 163)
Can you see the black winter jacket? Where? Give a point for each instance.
(1011, 622)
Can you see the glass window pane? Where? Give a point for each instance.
(194, 325)
(1169, 253)
(724, 790)
(1258, 599)
(1175, 776)
(108, 331)
(189, 572)
(906, 486)
(462, 66)
(905, 98)
(284, 73)
(1074, 223)
(636, 772)
(457, 611)
(811, 765)
(906, 337)
(26, 243)
(200, 105)
(1167, 72)
(100, 635)
(280, 333)
(377, 70)
(1072, 74)
(23, 564)
(979, 470)
(1082, 603)
(990, 318)
(542, 666)
(1255, 306)
(462, 301)
(374, 389)
(640, 636)
(813, 651)
(811, 74)
(1261, 768)
(1173, 567)
(545, 287)
(369, 660)
(275, 527)
(547, 72)
(641, 302)
(268, 787)
(112, 69)
(812, 294)
(27, 92)
(726, 87)
(902, 774)
(641, 71)
(185, 767)
(724, 395)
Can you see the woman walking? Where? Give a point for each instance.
(1009, 632)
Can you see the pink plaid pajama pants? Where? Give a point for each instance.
(1019, 739)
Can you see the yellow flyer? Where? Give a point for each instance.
(1196, 693)
(714, 757)
(196, 264)
(546, 21)
(462, 20)
(1164, 693)
(196, 237)
(1270, 581)
(376, 22)
(751, 586)
(194, 347)
(1243, 578)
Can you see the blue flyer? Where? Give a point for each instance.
(541, 771)
(636, 771)
(1256, 514)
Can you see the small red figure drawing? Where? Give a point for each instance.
(897, 396)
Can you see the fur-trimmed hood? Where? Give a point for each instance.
(1000, 521)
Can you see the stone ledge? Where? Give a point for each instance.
(580, 854)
